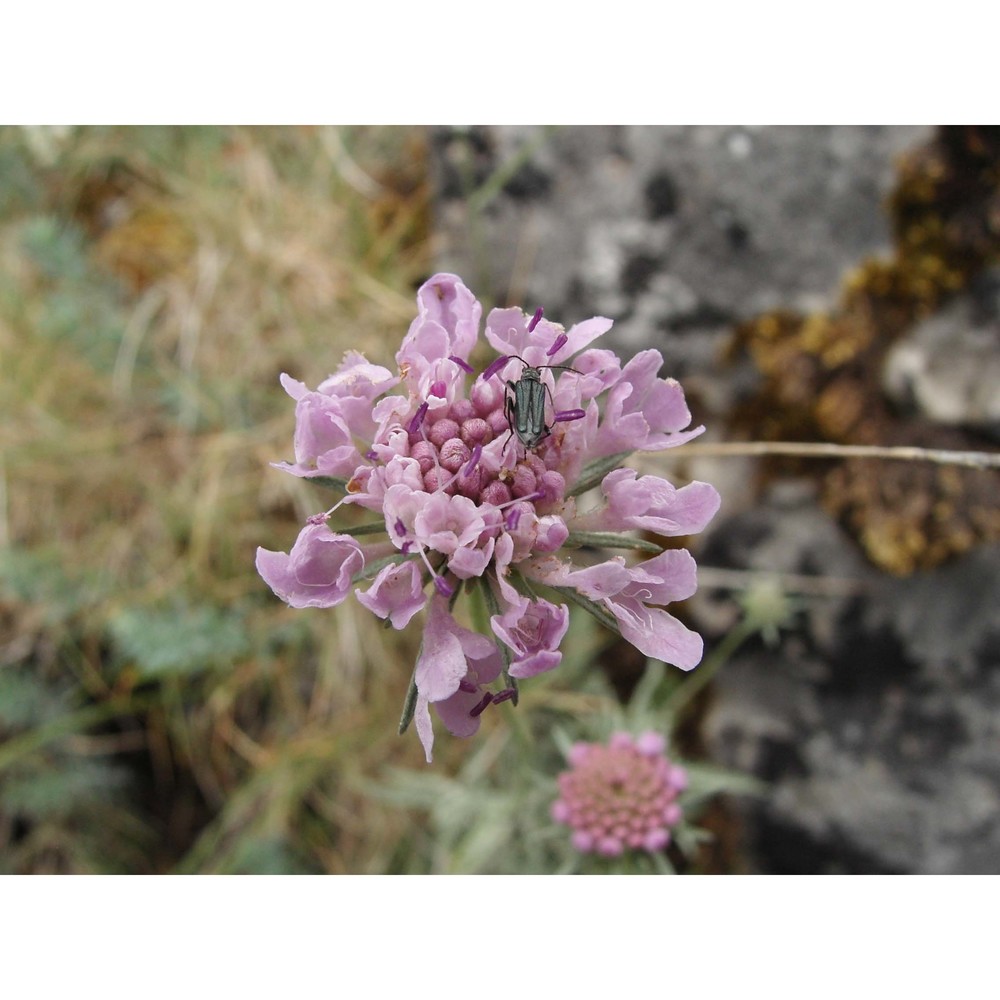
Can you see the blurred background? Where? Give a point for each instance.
(162, 711)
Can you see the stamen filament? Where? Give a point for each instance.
(322, 518)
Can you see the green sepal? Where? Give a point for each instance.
(493, 607)
(371, 528)
(453, 600)
(596, 471)
(612, 540)
(373, 569)
(409, 702)
(591, 607)
(330, 482)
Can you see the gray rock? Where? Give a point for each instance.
(876, 721)
(948, 366)
(674, 232)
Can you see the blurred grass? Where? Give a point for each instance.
(160, 710)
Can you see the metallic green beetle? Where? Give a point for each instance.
(525, 409)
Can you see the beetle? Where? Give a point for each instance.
(525, 408)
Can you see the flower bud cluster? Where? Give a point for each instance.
(620, 796)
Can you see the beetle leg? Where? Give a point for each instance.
(508, 412)
(547, 427)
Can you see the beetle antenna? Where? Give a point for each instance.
(565, 368)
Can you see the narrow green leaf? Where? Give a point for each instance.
(591, 607)
(453, 600)
(374, 568)
(330, 482)
(612, 540)
(371, 528)
(494, 609)
(595, 472)
(409, 703)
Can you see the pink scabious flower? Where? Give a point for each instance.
(476, 480)
(620, 796)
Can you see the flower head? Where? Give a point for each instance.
(470, 498)
(621, 795)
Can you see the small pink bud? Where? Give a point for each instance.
(475, 431)
(442, 430)
(485, 396)
(454, 454)
(523, 482)
(461, 410)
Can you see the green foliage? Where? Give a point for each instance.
(82, 306)
(159, 709)
(42, 577)
(25, 700)
(179, 641)
(55, 790)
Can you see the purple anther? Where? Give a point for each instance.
(443, 587)
(512, 519)
(505, 695)
(467, 686)
(557, 346)
(482, 706)
(477, 454)
(317, 518)
(400, 527)
(371, 455)
(461, 364)
(418, 417)
(407, 548)
(563, 415)
(495, 367)
(535, 319)
(439, 389)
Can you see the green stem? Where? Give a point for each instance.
(493, 607)
(484, 603)
(710, 666)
